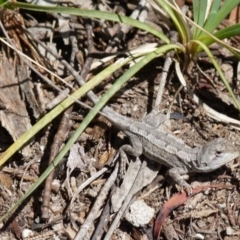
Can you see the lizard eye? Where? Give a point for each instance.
(218, 153)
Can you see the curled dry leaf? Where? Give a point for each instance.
(174, 202)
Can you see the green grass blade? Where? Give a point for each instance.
(212, 14)
(92, 14)
(3, 3)
(178, 20)
(116, 86)
(187, 34)
(227, 32)
(199, 15)
(214, 62)
(220, 15)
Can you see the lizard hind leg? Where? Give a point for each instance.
(176, 174)
(154, 119)
(158, 121)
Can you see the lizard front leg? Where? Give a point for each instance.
(135, 149)
(175, 173)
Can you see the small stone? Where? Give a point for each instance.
(139, 213)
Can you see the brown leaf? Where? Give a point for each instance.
(174, 202)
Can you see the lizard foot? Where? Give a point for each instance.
(186, 187)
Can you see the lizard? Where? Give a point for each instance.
(167, 149)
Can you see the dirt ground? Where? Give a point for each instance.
(25, 97)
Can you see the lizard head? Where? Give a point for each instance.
(215, 154)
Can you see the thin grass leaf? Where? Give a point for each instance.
(3, 3)
(212, 13)
(221, 14)
(91, 14)
(199, 15)
(177, 19)
(226, 32)
(184, 25)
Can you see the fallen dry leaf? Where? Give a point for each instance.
(174, 202)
